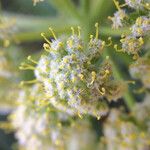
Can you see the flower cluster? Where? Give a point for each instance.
(141, 70)
(141, 26)
(118, 18)
(138, 4)
(71, 78)
(37, 129)
(134, 42)
(124, 134)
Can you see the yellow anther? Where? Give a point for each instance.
(141, 41)
(122, 36)
(51, 30)
(98, 117)
(80, 47)
(135, 56)
(97, 30)
(59, 124)
(61, 85)
(65, 60)
(103, 43)
(73, 79)
(43, 35)
(72, 29)
(46, 47)
(91, 36)
(116, 48)
(103, 91)
(93, 76)
(107, 71)
(6, 43)
(109, 17)
(29, 58)
(60, 44)
(110, 41)
(70, 43)
(81, 76)
(80, 116)
(79, 31)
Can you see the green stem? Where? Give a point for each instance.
(66, 6)
(85, 7)
(101, 10)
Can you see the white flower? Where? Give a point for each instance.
(141, 27)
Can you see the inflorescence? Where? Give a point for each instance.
(72, 79)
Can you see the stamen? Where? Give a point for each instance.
(116, 48)
(110, 18)
(98, 117)
(79, 31)
(81, 76)
(116, 4)
(53, 33)
(46, 47)
(93, 77)
(28, 82)
(103, 91)
(106, 73)
(130, 82)
(123, 5)
(29, 58)
(97, 30)
(110, 41)
(147, 6)
(91, 38)
(135, 56)
(141, 41)
(72, 29)
(80, 116)
(25, 66)
(43, 35)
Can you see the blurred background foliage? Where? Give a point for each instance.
(31, 20)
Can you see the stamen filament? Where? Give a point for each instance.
(29, 58)
(72, 29)
(28, 82)
(116, 4)
(53, 33)
(43, 35)
(79, 31)
(97, 30)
